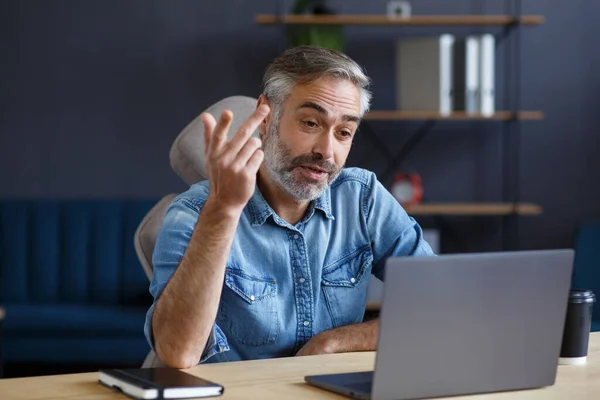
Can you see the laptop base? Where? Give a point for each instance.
(356, 385)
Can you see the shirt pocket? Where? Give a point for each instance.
(344, 285)
(248, 309)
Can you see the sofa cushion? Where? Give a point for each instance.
(71, 251)
(73, 320)
(586, 273)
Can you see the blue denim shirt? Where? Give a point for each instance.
(284, 283)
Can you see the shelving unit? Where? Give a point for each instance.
(391, 115)
(474, 209)
(511, 20)
(269, 19)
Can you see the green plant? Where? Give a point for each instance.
(327, 36)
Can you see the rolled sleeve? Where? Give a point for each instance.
(148, 327)
(393, 231)
(216, 344)
(172, 241)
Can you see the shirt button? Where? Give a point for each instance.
(296, 236)
(352, 280)
(306, 323)
(252, 298)
(302, 280)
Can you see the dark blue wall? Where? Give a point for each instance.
(92, 94)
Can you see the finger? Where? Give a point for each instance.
(219, 134)
(209, 125)
(255, 161)
(247, 151)
(247, 129)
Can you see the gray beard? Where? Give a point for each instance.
(278, 161)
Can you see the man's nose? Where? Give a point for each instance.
(324, 145)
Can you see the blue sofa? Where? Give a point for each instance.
(71, 284)
(587, 265)
(75, 293)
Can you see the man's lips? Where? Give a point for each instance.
(314, 168)
(313, 172)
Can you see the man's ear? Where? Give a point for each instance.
(263, 127)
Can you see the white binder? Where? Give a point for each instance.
(466, 75)
(487, 74)
(424, 79)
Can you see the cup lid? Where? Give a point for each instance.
(581, 296)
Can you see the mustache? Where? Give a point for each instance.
(312, 159)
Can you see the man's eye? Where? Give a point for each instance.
(346, 133)
(310, 124)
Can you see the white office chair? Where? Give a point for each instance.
(187, 160)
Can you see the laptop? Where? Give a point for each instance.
(465, 324)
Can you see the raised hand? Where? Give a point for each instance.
(232, 166)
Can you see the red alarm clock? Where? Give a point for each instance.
(407, 188)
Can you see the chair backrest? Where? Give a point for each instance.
(187, 160)
(187, 152)
(147, 232)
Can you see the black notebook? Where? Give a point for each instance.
(158, 383)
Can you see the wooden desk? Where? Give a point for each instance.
(284, 379)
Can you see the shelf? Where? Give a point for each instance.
(456, 116)
(269, 19)
(474, 209)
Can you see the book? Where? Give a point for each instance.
(424, 80)
(158, 383)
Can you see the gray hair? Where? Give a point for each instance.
(305, 64)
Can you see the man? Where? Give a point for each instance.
(271, 256)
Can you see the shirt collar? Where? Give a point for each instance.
(323, 203)
(260, 210)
